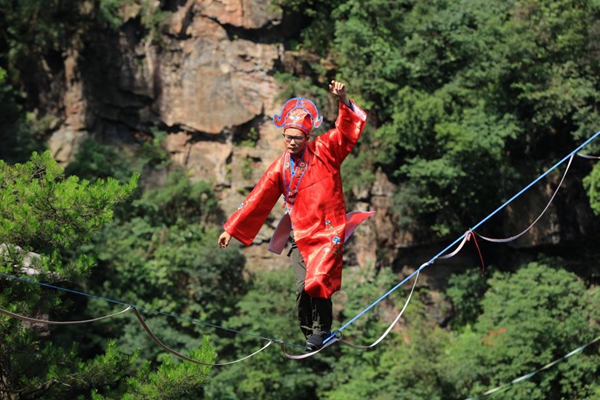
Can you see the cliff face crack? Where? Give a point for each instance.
(270, 32)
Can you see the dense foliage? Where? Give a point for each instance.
(463, 88)
(468, 100)
(49, 213)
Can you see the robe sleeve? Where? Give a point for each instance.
(340, 140)
(245, 223)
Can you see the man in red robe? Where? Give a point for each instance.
(308, 175)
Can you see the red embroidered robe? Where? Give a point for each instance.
(315, 201)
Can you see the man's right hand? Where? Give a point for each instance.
(339, 89)
(224, 240)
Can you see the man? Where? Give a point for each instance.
(308, 175)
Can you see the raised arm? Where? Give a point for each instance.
(337, 143)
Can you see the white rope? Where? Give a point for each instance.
(538, 218)
(588, 157)
(42, 321)
(175, 353)
(531, 374)
(354, 346)
(455, 252)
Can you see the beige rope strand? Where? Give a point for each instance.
(494, 240)
(356, 347)
(185, 358)
(42, 321)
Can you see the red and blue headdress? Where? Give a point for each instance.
(299, 113)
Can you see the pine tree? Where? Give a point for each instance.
(44, 215)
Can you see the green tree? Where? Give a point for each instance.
(161, 256)
(158, 254)
(315, 17)
(267, 310)
(96, 161)
(530, 318)
(405, 365)
(592, 186)
(17, 142)
(49, 214)
(462, 91)
(466, 291)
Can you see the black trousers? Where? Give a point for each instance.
(314, 314)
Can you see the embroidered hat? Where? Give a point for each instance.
(299, 113)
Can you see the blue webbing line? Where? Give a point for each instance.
(460, 238)
(194, 321)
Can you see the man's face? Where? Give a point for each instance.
(295, 141)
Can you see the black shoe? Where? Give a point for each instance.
(315, 341)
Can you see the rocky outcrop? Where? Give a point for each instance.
(246, 14)
(212, 84)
